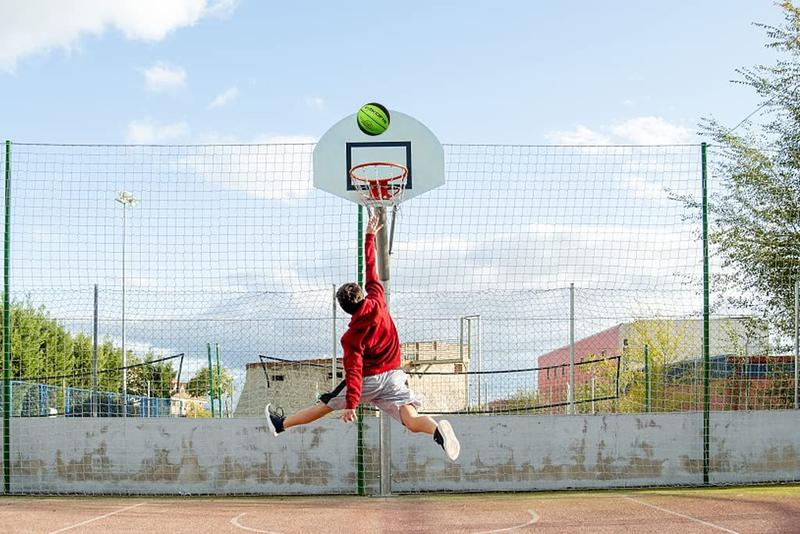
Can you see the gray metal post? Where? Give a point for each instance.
(480, 356)
(572, 348)
(334, 340)
(382, 246)
(796, 342)
(94, 354)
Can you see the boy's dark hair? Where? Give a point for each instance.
(350, 297)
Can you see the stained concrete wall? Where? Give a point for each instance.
(747, 447)
(165, 455)
(521, 453)
(501, 453)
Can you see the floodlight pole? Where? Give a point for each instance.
(126, 199)
(382, 247)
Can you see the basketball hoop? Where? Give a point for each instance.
(379, 183)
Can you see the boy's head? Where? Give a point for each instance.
(350, 297)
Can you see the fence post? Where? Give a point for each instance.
(94, 354)
(210, 380)
(796, 341)
(646, 378)
(333, 339)
(706, 312)
(219, 382)
(7, 326)
(571, 397)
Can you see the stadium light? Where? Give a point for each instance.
(126, 199)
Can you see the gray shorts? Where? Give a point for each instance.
(387, 391)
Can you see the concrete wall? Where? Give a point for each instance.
(502, 453)
(222, 456)
(747, 447)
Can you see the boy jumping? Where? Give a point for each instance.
(371, 365)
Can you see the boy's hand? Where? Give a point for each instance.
(374, 223)
(348, 416)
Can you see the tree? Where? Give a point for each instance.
(755, 216)
(199, 384)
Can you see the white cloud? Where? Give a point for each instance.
(164, 77)
(271, 167)
(40, 26)
(149, 132)
(581, 135)
(226, 97)
(647, 190)
(314, 102)
(651, 131)
(645, 130)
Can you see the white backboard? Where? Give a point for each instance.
(407, 142)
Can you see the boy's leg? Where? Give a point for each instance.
(307, 415)
(442, 431)
(277, 423)
(415, 422)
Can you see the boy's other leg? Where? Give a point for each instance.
(442, 431)
(415, 422)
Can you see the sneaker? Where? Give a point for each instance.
(447, 439)
(274, 420)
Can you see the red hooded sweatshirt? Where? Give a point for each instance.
(371, 344)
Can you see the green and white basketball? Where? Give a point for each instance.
(373, 118)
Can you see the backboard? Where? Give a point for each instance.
(406, 142)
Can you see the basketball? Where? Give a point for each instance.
(373, 118)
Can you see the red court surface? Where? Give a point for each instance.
(684, 511)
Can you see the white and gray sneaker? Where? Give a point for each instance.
(447, 439)
(274, 420)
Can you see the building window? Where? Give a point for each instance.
(458, 368)
(278, 378)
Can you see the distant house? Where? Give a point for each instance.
(182, 404)
(295, 384)
(685, 337)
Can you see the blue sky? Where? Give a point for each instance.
(505, 72)
(229, 242)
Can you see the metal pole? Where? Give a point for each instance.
(7, 326)
(219, 382)
(796, 342)
(461, 356)
(480, 356)
(706, 313)
(646, 379)
(572, 348)
(360, 421)
(469, 351)
(148, 399)
(382, 246)
(210, 381)
(124, 354)
(94, 352)
(592, 394)
(333, 340)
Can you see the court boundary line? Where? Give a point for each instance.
(696, 520)
(98, 518)
(533, 520)
(235, 522)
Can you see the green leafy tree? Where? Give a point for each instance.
(199, 384)
(755, 213)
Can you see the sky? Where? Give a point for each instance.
(522, 72)
(232, 245)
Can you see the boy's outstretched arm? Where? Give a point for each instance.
(373, 286)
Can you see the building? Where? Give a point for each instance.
(296, 384)
(677, 340)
